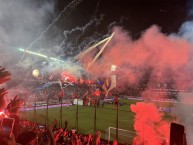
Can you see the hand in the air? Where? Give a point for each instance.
(3, 91)
(2, 98)
(4, 75)
(14, 105)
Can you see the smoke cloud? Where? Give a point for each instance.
(161, 54)
(150, 127)
(20, 22)
(25, 28)
(163, 58)
(167, 58)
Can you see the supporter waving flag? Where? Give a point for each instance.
(110, 83)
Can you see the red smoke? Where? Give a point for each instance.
(65, 76)
(153, 50)
(150, 128)
(168, 58)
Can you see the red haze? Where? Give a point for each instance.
(150, 128)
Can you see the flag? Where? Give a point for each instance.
(106, 84)
(111, 82)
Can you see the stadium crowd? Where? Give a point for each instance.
(32, 133)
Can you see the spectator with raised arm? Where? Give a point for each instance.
(4, 75)
(3, 92)
(13, 109)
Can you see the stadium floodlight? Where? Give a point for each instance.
(35, 73)
(40, 55)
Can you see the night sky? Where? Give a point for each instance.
(133, 15)
(94, 19)
(86, 24)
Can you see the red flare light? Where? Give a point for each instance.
(65, 76)
(2, 115)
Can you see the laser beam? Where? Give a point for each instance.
(40, 55)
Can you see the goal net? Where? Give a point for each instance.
(124, 136)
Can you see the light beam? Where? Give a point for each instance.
(40, 55)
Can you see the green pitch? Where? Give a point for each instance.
(105, 117)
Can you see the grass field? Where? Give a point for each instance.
(105, 117)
